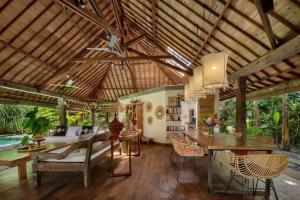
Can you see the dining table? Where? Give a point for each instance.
(222, 142)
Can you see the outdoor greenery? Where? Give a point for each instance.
(269, 121)
(18, 119)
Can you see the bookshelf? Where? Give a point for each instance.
(173, 114)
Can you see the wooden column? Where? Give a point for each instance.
(62, 112)
(256, 113)
(240, 122)
(93, 118)
(285, 141)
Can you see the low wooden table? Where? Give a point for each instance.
(11, 158)
(220, 142)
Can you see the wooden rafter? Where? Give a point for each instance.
(212, 30)
(134, 40)
(286, 50)
(263, 7)
(117, 58)
(154, 18)
(67, 67)
(118, 14)
(185, 71)
(88, 15)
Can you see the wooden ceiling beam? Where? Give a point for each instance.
(286, 50)
(154, 18)
(96, 8)
(88, 15)
(284, 21)
(116, 58)
(263, 7)
(67, 67)
(135, 40)
(94, 92)
(117, 12)
(278, 89)
(212, 29)
(29, 89)
(185, 71)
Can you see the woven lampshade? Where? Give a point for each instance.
(214, 70)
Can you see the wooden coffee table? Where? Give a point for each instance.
(11, 158)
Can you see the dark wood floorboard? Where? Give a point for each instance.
(153, 178)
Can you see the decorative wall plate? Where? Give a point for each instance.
(150, 120)
(159, 112)
(148, 107)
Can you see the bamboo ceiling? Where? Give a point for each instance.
(43, 41)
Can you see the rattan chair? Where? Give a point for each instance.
(257, 166)
(183, 149)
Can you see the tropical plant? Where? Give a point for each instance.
(12, 117)
(35, 124)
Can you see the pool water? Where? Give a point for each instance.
(9, 141)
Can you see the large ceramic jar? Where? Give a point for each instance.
(115, 127)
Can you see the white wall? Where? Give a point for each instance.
(157, 130)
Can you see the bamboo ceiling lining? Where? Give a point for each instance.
(39, 39)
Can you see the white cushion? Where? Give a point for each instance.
(78, 155)
(60, 139)
(73, 131)
(95, 129)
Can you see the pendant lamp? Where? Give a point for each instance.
(199, 89)
(214, 70)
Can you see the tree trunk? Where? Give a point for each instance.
(256, 114)
(285, 140)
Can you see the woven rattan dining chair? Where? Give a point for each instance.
(256, 166)
(185, 150)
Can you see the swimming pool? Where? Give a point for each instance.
(9, 141)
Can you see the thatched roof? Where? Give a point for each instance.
(43, 41)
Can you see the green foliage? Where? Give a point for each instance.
(25, 139)
(270, 112)
(12, 117)
(35, 124)
(51, 114)
(276, 118)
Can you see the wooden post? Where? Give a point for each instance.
(93, 119)
(256, 113)
(285, 141)
(240, 123)
(62, 112)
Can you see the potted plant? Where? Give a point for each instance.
(35, 125)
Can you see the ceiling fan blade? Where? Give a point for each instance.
(112, 41)
(96, 49)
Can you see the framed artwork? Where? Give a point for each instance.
(159, 112)
(148, 107)
(150, 120)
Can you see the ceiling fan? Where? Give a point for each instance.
(110, 47)
(69, 85)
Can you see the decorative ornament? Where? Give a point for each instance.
(159, 112)
(150, 120)
(148, 107)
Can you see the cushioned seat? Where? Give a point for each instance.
(79, 155)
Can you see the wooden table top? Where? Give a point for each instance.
(221, 141)
(11, 158)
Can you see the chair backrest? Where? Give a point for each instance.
(261, 165)
(96, 138)
(264, 139)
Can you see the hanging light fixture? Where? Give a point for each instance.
(199, 89)
(214, 70)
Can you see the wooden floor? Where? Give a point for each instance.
(152, 178)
